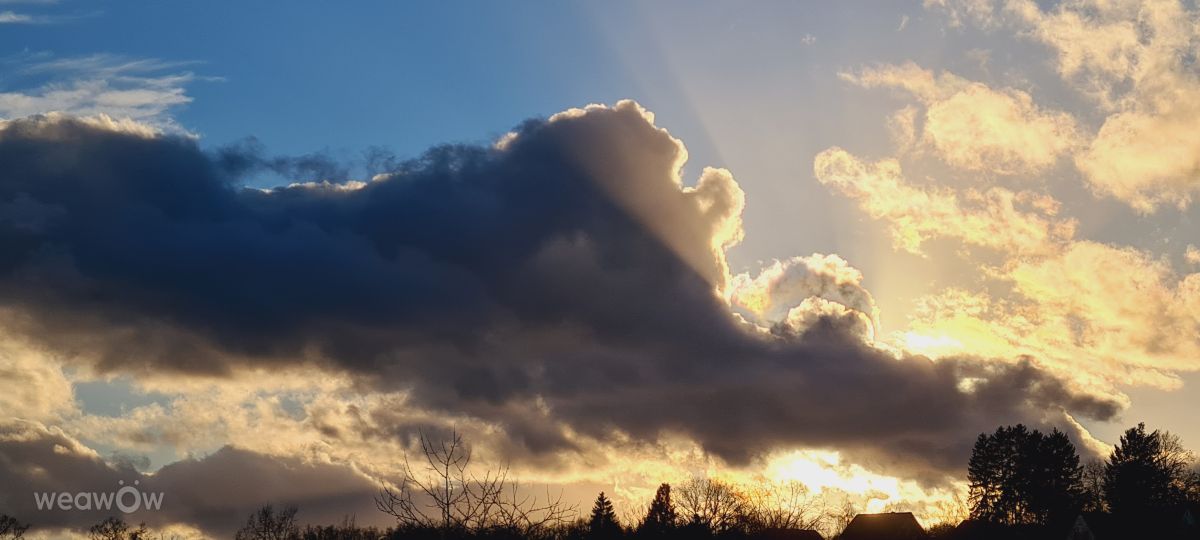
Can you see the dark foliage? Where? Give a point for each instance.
(661, 518)
(269, 524)
(1147, 472)
(603, 523)
(1021, 476)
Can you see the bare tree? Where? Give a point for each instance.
(716, 504)
(446, 494)
(1093, 487)
(784, 505)
(11, 529)
(348, 529)
(268, 524)
(528, 516)
(116, 529)
(950, 512)
(840, 518)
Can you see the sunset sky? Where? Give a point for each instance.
(249, 252)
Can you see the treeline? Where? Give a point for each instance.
(1020, 480)
(1023, 478)
(699, 509)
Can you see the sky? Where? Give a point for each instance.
(252, 252)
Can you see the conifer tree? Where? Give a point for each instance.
(1146, 472)
(603, 523)
(661, 518)
(1022, 476)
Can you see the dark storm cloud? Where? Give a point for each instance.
(567, 263)
(215, 493)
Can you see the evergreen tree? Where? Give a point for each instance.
(603, 523)
(1019, 476)
(1055, 489)
(661, 518)
(1146, 472)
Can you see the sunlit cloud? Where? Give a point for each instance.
(972, 126)
(1018, 222)
(1132, 59)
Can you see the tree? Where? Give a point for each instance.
(449, 496)
(1019, 476)
(603, 523)
(1146, 472)
(661, 518)
(348, 529)
(11, 529)
(782, 505)
(1055, 488)
(841, 517)
(116, 529)
(268, 524)
(716, 505)
(1093, 487)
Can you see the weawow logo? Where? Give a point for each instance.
(128, 499)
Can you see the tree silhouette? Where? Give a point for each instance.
(716, 505)
(782, 505)
(661, 518)
(448, 495)
(116, 529)
(10, 528)
(1146, 472)
(1093, 487)
(268, 524)
(1055, 487)
(1019, 476)
(603, 523)
(348, 529)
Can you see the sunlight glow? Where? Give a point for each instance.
(933, 346)
(820, 470)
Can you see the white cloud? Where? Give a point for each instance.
(797, 290)
(10, 17)
(144, 90)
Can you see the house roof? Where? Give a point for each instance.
(885, 526)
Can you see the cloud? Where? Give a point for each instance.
(565, 284)
(1133, 59)
(820, 280)
(214, 493)
(1022, 222)
(145, 90)
(1192, 255)
(10, 17)
(37, 389)
(973, 127)
(1107, 315)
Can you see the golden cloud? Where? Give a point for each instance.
(1017, 222)
(973, 127)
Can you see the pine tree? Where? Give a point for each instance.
(1144, 473)
(661, 518)
(603, 523)
(1018, 476)
(1055, 489)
